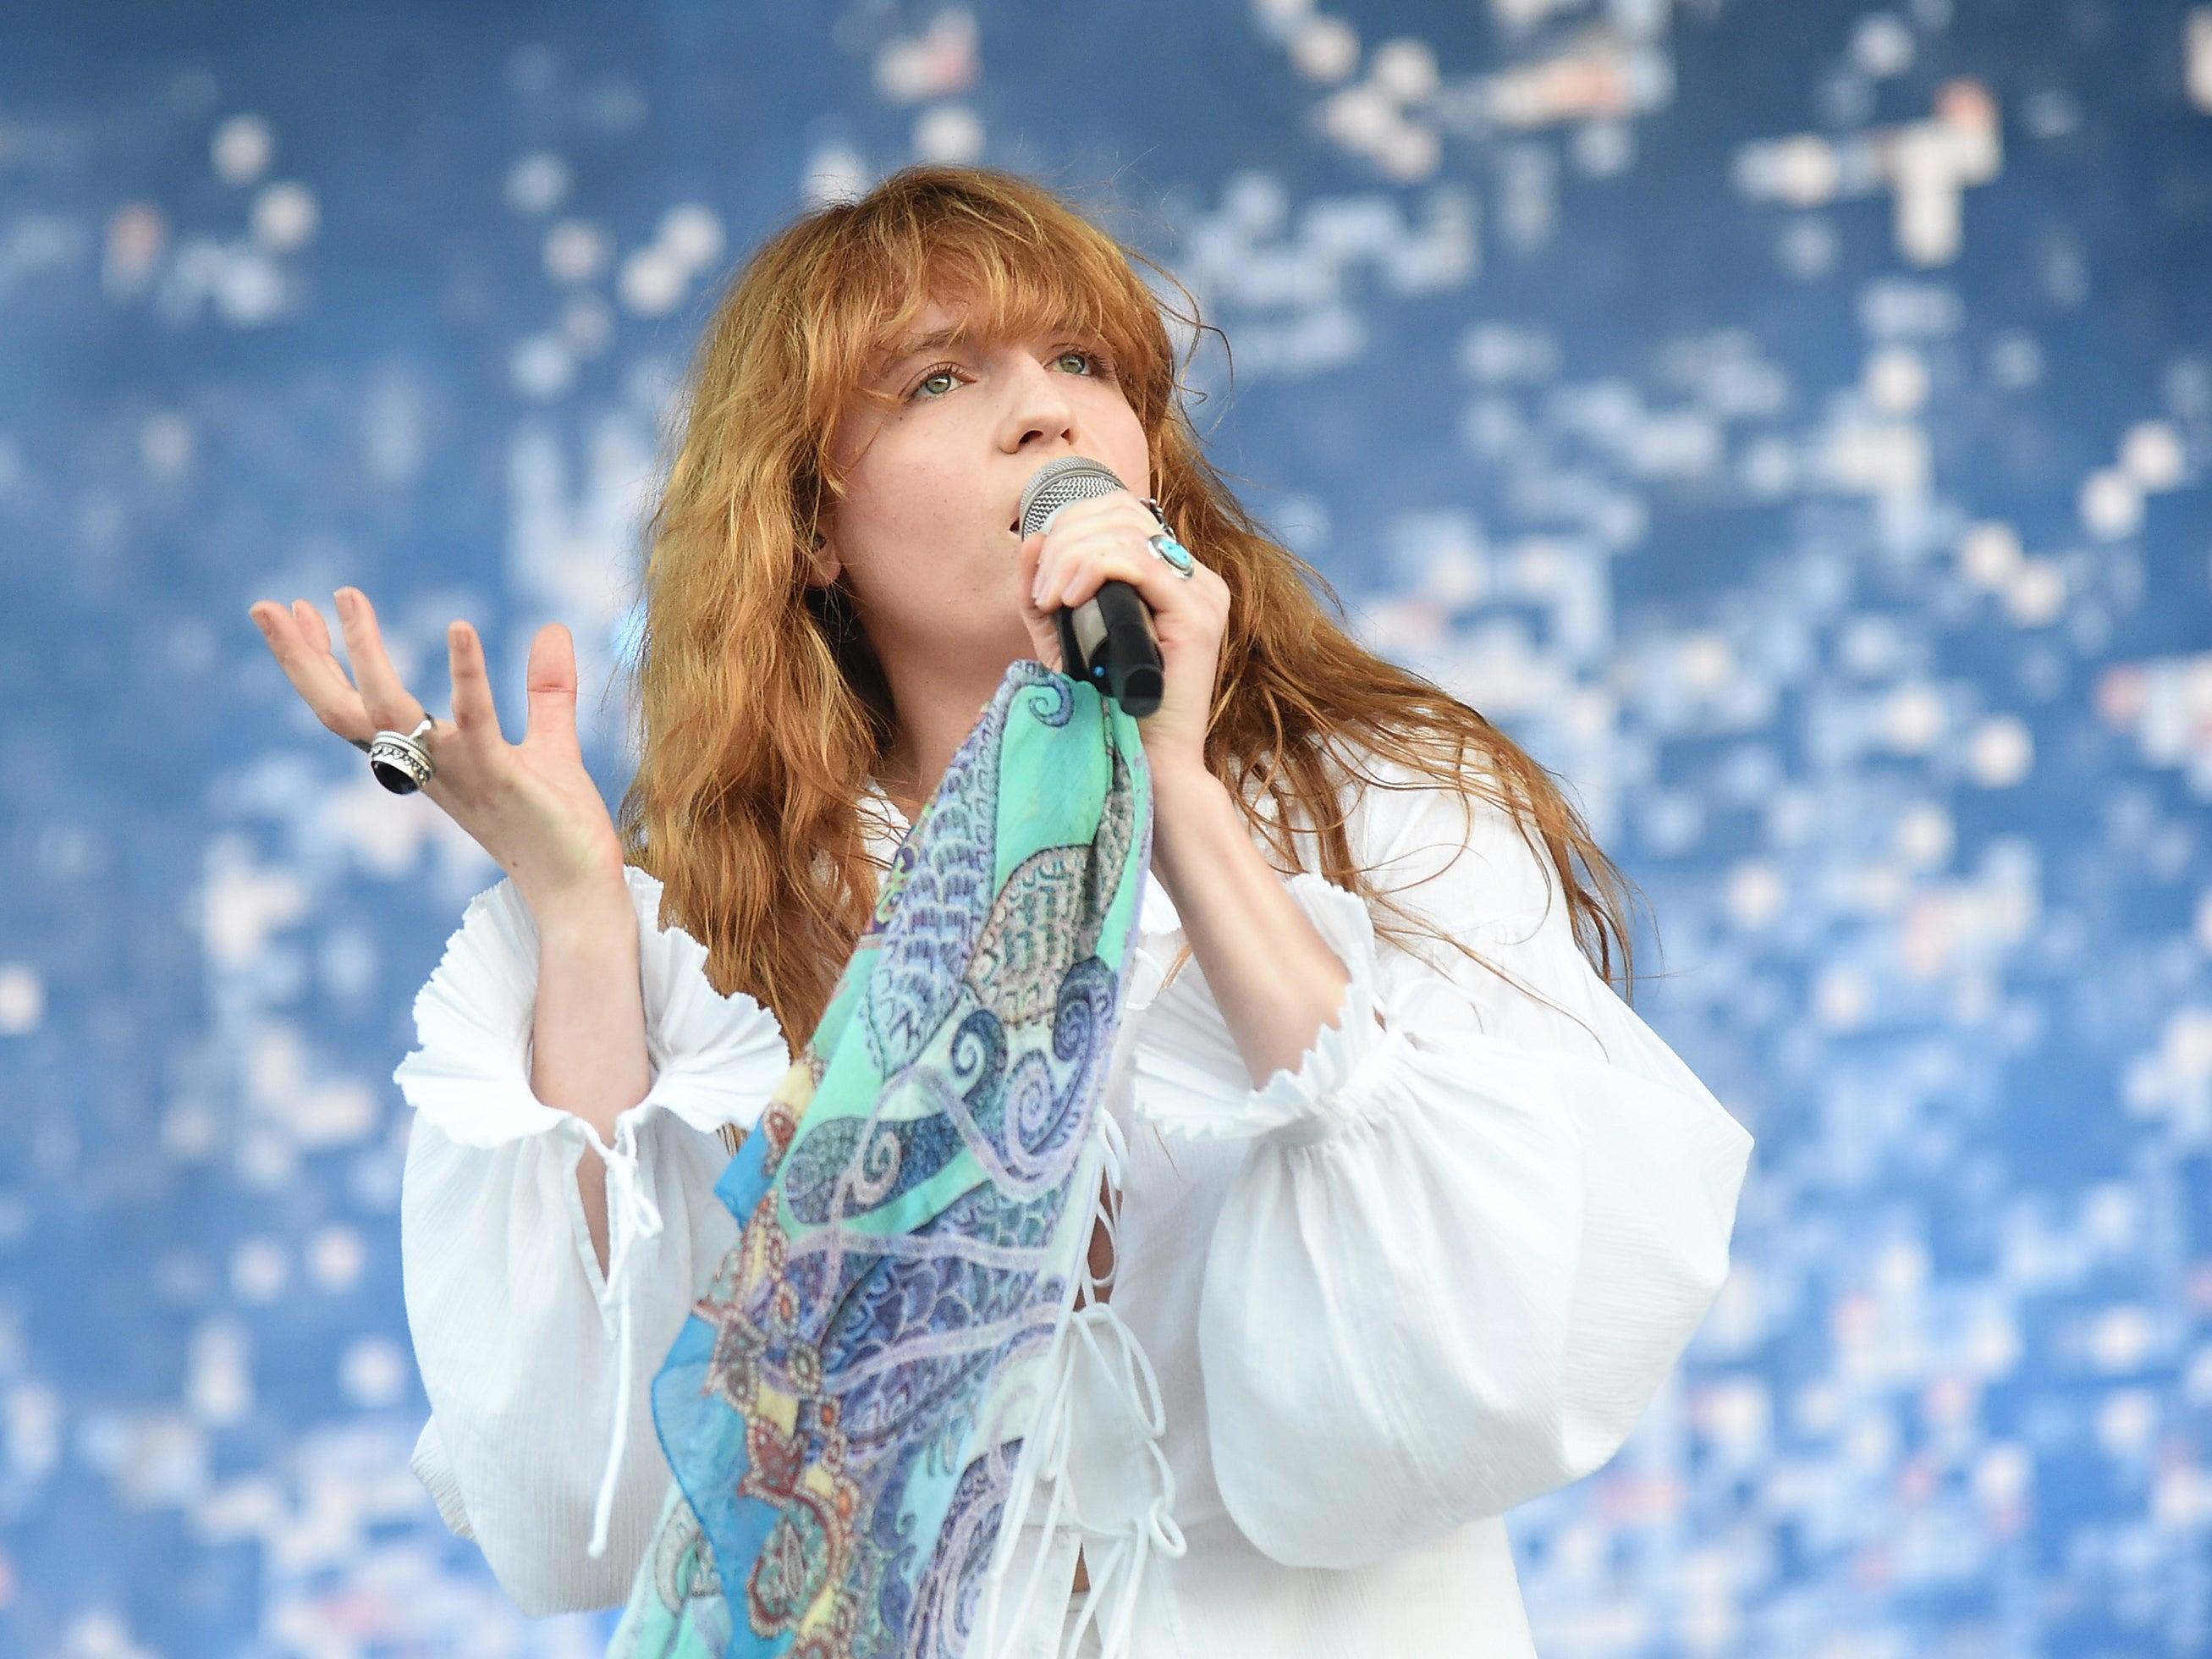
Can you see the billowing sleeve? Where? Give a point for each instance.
(537, 1365)
(1474, 1228)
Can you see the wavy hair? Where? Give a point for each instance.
(763, 713)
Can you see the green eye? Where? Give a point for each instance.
(1075, 357)
(931, 380)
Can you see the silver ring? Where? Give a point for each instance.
(1172, 553)
(399, 761)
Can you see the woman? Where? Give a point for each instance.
(1406, 1216)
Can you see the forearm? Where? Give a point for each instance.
(587, 1035)
(1273, 977)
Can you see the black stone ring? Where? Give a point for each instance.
(399, 761)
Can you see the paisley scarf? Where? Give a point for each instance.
(846, 1408)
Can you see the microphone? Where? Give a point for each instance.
(1107, 640)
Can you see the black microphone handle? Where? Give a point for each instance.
(1108, 641)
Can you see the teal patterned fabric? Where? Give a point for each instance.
(847, 1407)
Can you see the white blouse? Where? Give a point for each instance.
(1356, 1315)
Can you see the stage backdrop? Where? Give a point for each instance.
(1791, 421)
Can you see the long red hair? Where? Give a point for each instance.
(764, 714)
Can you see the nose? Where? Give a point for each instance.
(1039, 414)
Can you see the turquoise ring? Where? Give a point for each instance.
(1173, 554)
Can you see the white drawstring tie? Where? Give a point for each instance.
(632, 1216)
(1119, 1571)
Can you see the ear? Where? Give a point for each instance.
(824, 566)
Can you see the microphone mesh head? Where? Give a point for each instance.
(1056, 483)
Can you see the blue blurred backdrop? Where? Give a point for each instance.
(1792, 423)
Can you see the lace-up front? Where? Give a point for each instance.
(1098, 1451)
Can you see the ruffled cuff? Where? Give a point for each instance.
(714, 1058)
(436, 1471)
(1338, 1080)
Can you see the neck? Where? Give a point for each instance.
(937, 701)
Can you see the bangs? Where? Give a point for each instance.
(1021, 271)
(1014, 292)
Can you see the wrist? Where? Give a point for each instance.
(598, 914)
(1180, 785)
(1196, 825)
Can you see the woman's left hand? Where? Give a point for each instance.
(1107, 538)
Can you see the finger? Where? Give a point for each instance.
(1165, 592)
(1082, 574)
(1044, 633)
(474, 712)
(1033, 566)
(1119, 525)
(317, 631)
(552, 681)
(1063, 555)
(1091, 575)
(312, 671)
(1116, 513)
(1044, 645)
(390, 703)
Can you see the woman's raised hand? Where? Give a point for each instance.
(531, 805)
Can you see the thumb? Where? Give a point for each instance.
(552, 688)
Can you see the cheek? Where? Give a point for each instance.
(898, 489)
(923, 509)
(907, 529)
(1132, 450)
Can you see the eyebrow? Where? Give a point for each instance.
(931, 341)
(915, 345)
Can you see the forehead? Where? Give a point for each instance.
(953, 316)
(940, 318)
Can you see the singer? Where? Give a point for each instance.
(1388, 1213)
